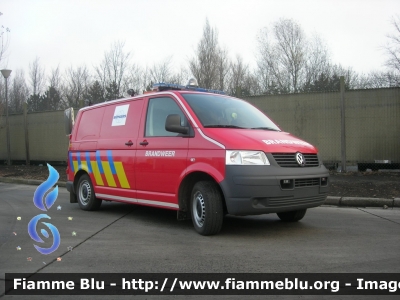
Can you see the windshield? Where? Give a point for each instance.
(225, 112)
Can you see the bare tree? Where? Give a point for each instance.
(161, 72)
(351, 78)
(18, 92)
(37, 77)
(4, 40)
(378, 79)
(134, 79)
(55, 91)
(76, 85)
(291, 51)
(113, 68)
(317, 60)
(288, 60)
(263, 72)
(393, 47)
(181, 76)
(239, 71)
(55, 78)
(204, 65)
(146, 82)
(250, 85)
(2, 101)
(223, 69)
(141, 79)
(101, 75)
(284, 54)
(242, 82)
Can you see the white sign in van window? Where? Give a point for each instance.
(120, 114)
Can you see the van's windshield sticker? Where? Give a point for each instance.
(285, 142)
(120, 114)
(159, 153)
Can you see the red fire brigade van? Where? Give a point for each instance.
(196, 151)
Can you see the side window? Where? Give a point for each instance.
(90, 123)
(157, 112)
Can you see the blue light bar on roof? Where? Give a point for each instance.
(171, 86)
(168, 86)
(206, 90)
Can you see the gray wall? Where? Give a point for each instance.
(372, 122)
(47, 139)
(372, 126)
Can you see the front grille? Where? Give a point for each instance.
(289, 201)
(288, 160)
(298, 183)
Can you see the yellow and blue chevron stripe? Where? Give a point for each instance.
(105, 170)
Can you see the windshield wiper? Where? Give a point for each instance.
(223, 126)
(265, 128)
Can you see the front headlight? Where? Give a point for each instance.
(238, 157)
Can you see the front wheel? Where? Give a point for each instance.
(85, 194)
(206, 208)
(292, 216)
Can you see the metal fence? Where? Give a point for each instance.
(371, 123)
(46, 137)
(371, 131)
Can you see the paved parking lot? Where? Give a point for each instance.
(127, 238)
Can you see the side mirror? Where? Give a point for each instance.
(173, 124)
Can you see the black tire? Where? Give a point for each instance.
(292, 216)
(206, 208)
(85, 194)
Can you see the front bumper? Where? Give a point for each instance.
(253, 190)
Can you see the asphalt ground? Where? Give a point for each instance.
(137, 239)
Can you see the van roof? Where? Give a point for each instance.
(159, 88)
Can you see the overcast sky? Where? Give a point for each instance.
(77, 32)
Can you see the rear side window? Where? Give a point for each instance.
(157, 112)
(89, 125)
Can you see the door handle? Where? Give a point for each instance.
(144, 143)
(129, 143)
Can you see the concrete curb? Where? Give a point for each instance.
(330, 200)
(28, 181)
(362, 202)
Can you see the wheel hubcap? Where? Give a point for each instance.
(199, 209)
(85, 192)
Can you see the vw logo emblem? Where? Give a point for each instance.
(300, 159)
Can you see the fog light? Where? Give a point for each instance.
(286, 184)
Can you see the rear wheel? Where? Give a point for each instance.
(206, 208)
(292, 216)
(85, 194)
